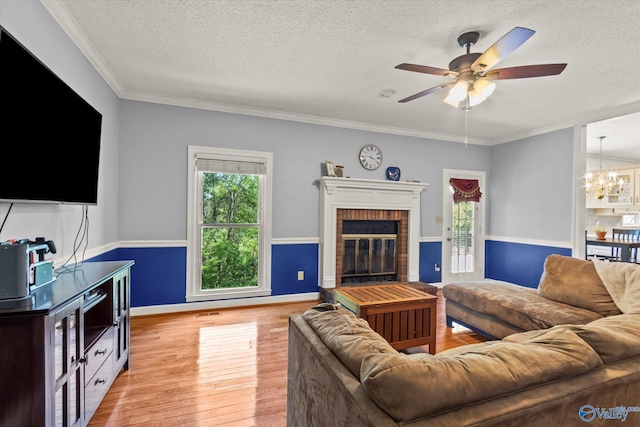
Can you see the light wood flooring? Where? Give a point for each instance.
(224, 367)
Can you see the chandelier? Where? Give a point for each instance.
(601, 185)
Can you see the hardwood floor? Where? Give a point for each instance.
(224, 367)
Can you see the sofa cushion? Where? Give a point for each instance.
(516, 305)
(408, 387)
(614, 338)
(348, 337)
(527, 335)
(575, 282)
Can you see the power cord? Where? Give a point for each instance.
(81, 236)
(5, 217)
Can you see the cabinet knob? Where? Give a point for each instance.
(82, 360)
(100, 381)
(99, 352)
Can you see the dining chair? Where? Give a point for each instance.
(625, 235)
(599, 255)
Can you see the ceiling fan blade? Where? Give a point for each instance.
(501, 49)
(426, 92)
(427, 70)
(526, 71)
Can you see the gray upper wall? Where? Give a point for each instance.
(153, 160)
(531, 188)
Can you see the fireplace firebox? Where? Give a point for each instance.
(369, 251)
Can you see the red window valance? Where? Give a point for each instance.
(465, 190)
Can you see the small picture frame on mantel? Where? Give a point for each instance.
(331, 171)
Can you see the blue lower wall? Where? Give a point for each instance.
(512, 262)
(517, 262)
(430, 255)
(286, 261)
(159, 275)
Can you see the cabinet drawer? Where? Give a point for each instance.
(627, 211)
(97, 386)
(97, 354)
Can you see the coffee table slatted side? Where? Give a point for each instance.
(403, 315)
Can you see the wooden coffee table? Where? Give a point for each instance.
(401, 314)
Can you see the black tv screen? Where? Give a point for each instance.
(50, 135)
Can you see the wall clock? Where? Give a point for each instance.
(370, 157)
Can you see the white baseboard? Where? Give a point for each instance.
(312, 297)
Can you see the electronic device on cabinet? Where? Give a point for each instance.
(24, 269)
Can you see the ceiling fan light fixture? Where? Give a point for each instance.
(475, 98)
(459, 91)
(484, 87)
(451, 102)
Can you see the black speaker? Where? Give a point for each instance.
(14, 271)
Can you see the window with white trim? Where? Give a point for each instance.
(229, 223)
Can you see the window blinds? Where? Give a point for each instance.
(247, 167)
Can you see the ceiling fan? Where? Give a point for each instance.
(473, 72)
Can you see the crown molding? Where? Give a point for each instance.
(60, 13)
(591, 118)
(295, 117)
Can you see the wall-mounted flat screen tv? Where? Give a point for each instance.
(50, 136)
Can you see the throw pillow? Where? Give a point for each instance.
(575, 282)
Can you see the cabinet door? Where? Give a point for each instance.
(594, 202)
(121, 306)
(622, 194)
(68, 349)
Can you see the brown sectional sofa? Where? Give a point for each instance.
(341, 373)
(498, 309)
(570, 292)
(541, 379)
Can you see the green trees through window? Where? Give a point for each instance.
(463, 220)
(230, 230)
(462, 250)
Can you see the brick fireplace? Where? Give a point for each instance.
(399, 240)
(348, 199)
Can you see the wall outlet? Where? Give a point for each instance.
(300, 275)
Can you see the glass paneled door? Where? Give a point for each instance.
(463, 237)
(463, 232)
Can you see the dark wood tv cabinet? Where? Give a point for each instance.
(59, 356)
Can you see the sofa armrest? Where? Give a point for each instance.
(321, 391)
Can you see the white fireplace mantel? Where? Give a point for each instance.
(349, 193)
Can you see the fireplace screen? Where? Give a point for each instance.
(368, 258)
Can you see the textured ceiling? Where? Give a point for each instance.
(326, 61)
